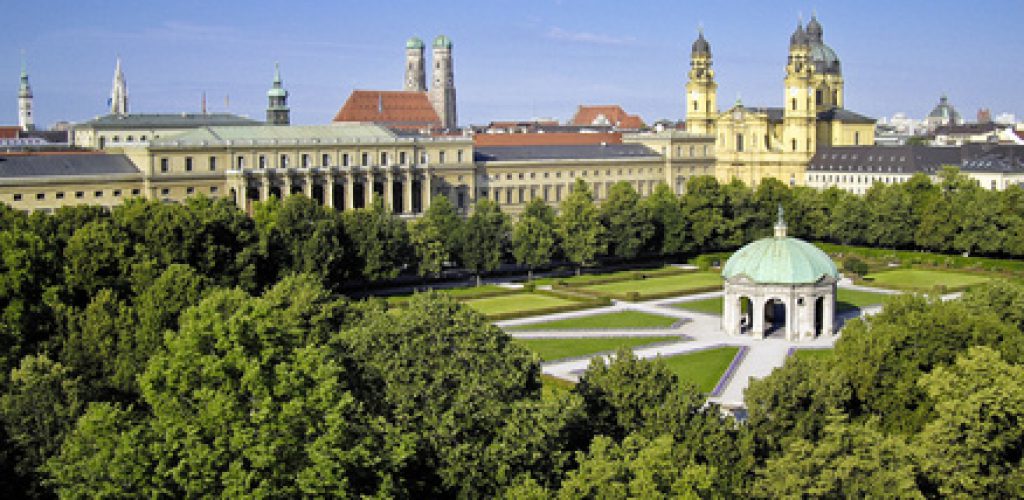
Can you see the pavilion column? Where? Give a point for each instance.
(828, 312)
(757, 311)
(329, 190)
(729, 313)
(350, 191)
(407, 192)
(389, 191)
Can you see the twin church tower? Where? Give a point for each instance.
(442, 86)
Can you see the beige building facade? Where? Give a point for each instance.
(755, 143)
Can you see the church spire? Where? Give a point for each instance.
(119, 92)
(25, 120)
(277, 101)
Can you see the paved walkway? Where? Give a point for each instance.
(700, 332)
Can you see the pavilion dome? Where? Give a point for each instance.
(780, 260)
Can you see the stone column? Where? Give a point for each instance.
(329, 189)
(307, 177)
(287, 190)
(426, 189)
(757, 311)
(265, 181)
(729, 306)
(828, 313)
(389, 190)
(368, 192)
(350, 191)
(407, 192)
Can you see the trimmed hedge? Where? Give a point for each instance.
(634, 296)
(549, 310)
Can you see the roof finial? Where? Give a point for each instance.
(277, 72)
(780, 224)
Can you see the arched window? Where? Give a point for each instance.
(794, 144)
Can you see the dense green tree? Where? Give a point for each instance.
(381, 241)
(446, 378)
(251, 398)
(25, 319)
(484, 238)
(98, 256)
(807, 214)
(435, 236)
(704, 209)
(627, 223)
(669, 236)
(850, 219)
(579, 228)
(890, 215)
(975, 446)
(533, 237)
(848, 461)
(38, 407)
(99, 345)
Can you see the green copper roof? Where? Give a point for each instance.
(442, 42)
(414, 43)
(788, 261)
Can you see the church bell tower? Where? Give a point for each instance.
(442, 89)
(277, 101)
(415, 72)
(701, 89)
(799, 113)
(25, 120)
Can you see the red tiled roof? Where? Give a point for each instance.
(1019, 133)
(547, 139)
(616, 116)
(9, 132)
(391, 108)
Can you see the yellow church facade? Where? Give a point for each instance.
(756, 143)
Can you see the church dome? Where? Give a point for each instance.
(780, 260)
(414, 43)
(700, 46)
(824, 59)
(945, 112)
(442, 42)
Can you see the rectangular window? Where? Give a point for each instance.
(136, 192)
(344, 160)
(793, 103)
(383, 158)
(98, 194)
(401, 157)
(240, 162)
(16, 197)
(365, 160)
(440, 157)
(817, 97)
(117, 193)
(40, 196)
(284, 161)
(263, 161)
(304, 160)
(739, 143)
(164, 165)
(325, 160)
(424, 158)
(188, 163)
(459, 156)
(79, 194)
(213, 163)
(165, 192)
(190, 190)
(214, 189)
(60, 195)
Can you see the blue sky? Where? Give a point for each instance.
(513, 59)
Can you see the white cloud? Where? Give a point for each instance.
(557, 33)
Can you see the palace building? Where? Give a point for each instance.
(755, 143)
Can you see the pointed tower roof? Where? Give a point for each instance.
(799, 37)
(277, 89)
(700, 45)
(814, 31)
(24, 90)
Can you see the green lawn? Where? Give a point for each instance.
(517, 302)
(551, 349)
(606, 321)
(702, 368)
(469, 292)
(812, 353)
(846, 300)
(924, 279)
(553, 387)
(681, 283)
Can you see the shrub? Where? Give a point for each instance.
(854, 265)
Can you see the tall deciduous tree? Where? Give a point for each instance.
(533, 237)
(669, 236)
(381, 241)
(484, 238)
(435, 236)
(579, 227)
(627, 223)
